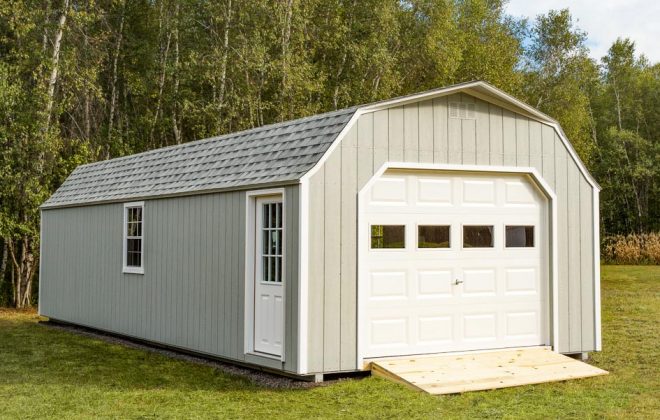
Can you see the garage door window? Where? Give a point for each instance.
(429, 236)
(388, 236)
(477, 236)
(520, 236)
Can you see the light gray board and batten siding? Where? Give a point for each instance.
(191, 295)
(422, 132)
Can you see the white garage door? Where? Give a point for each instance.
(452, 262)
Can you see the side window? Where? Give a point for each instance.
(433, 236)
(388, 236)
(520, 236)
(134, 238)
(478, 236)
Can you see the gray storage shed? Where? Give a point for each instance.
(458, 219)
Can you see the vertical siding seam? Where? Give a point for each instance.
(388, 136)
(341, 242)
(529, 142)
(324, 279)
(432, 130)
(490, 156)
(515, 130)
(579, 203)
(570, 250)
(419, 152)
(502, 140)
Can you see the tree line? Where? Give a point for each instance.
(82, 81)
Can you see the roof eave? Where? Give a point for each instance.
(289, 182)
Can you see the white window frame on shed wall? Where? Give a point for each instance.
(125, 267)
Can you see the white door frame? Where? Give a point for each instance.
(250, 261)
(552, 263)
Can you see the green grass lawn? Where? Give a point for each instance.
(46, 372)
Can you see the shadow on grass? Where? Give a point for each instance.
(41, 354)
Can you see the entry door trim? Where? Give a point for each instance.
(250, 264)
(543, 186)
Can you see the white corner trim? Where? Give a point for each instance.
(303, 275)
(545, 188)
(597, 302)
(250, 252)
(41, 257)
(126, 269)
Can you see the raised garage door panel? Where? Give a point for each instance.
(427, 300)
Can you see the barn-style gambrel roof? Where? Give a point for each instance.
(275, 154)
(270, 154)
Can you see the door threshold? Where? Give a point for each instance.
(368, 360)
(266, 355)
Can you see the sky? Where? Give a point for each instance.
(604, 21)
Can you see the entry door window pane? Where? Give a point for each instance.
(520, 236)
(433, 236)
(272, 243)
(388, 236)
(477, 236)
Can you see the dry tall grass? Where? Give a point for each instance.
(632, 249)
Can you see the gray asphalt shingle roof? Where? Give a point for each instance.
(274, 153)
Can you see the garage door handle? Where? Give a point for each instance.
(457, 282)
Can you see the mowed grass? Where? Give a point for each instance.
(49, 373)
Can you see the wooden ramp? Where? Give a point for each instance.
(450, 374)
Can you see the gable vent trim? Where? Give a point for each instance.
(464, 111)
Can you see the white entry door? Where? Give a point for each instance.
(269, 276)
(453, 262)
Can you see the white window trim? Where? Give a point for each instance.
(125, 268)
(250, 262)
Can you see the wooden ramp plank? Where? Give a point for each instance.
(451, 374)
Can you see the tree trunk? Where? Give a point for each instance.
(175, 117)
(113, 86)
(24, 262)
(223, 64)
(55, 62)
(3, 261)
(44, 40)
(286, 37)
(618, 105)
(161, 85)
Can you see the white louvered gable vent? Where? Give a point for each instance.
(461, 110)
